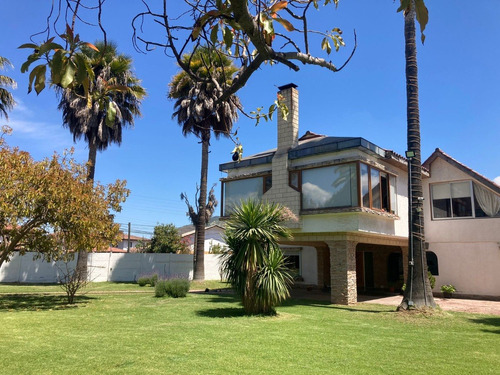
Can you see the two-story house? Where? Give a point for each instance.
(462, 227)
(349, 194)
(351, 198)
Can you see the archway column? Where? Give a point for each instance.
(343, 271)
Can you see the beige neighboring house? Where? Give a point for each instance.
(134, 240)
(214, 236)
(351, 200)
(462, 227)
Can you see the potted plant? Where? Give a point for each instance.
(448, 290)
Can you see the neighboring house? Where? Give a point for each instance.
(214, 233)
(351, 200)
(134, 240)
(462, 227)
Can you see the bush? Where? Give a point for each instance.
(154, 279)
(148, 280)
(449, 289)
(160, 290)
(177, 287)
(432, 279)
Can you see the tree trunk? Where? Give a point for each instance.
(81, 263)
(418, 291)
(199, 249)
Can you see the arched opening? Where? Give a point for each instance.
(432, 263)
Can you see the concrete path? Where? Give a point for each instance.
(448, 304)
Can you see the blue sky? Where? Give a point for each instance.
(459, 98)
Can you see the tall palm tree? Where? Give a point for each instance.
(418, 291)
(254, 263)
(198, 112)
(6, 100)
(114, 100)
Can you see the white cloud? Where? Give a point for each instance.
(496, 180)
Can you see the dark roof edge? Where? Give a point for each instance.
(438, 153)
(336, 146)
(247, 162)
(288, 86)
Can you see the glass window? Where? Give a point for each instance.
(294, 180)
(452, 200)
(365, 185)
(393, 202)
(240, 190)
(375, 180)
(334, 186)
(378, 189)
(268, 182)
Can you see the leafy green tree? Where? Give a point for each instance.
(166, 239)
(253, 262)
(49, 206)
(99, 111)
(6, 100)
(198, 111)
(418, 291)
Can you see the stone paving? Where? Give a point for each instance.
(448, 304)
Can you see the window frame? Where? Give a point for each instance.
(223, 188)
(356, 163)
(389, 177)
(472, 198)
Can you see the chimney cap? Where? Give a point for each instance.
(289, 86)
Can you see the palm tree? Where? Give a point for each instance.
(418, 291)
(114, 100)
(254, 263)
(198, 111)
(6, 100)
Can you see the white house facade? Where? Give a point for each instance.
(351, 200)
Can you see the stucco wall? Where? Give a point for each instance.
(468, 249)
(309, 262)
(109, 267)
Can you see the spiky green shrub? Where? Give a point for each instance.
(143, 281)
(160, 290)
(153, 279)
(253, 262)
(177, 288)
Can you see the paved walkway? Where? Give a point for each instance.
(448, 304)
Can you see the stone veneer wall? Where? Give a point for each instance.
(288, 130)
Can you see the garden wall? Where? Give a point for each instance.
(108, 267)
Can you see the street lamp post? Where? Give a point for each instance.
(411, 262)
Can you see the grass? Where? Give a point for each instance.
(135, 333)
(99, 287)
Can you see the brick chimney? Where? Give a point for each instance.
(288, 130)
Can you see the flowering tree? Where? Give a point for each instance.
(49, 207)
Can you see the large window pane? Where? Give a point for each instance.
(394, 203)
(240, 190)
(334, 186)
(365, 187)
(375, 179)
(452, 200)
(384, 188)
(441, 208)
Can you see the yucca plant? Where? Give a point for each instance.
(253, 262)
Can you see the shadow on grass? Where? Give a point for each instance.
(37, 302)
(237, 311)
(495, 322)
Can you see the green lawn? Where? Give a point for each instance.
(135, 333)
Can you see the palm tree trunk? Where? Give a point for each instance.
(418, 291)
(199, 251)
(81, 270)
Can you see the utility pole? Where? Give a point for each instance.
(128, 240)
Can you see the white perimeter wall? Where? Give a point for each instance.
(109, 267)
